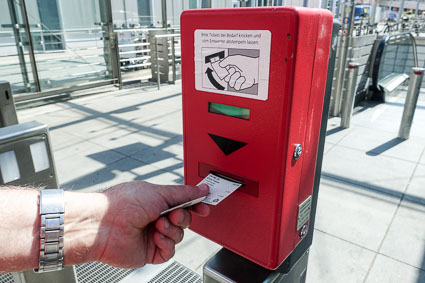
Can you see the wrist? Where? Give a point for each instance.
(84, 234)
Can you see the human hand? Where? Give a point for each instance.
(243, 71)
(131, 232)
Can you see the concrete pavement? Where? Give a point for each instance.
(371, 209)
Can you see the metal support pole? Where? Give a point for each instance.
(400, 11)
(30, 46)
(417, 8)
(347, 108)
(173, 59)
(110, 40)
(158, 77)
(346, 31)
(413, 90)
(164, 14)
(116, 49)
(19, 45)
(373, 13)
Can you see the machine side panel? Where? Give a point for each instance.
(316, 107)
(304, 56)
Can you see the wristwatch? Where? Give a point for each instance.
(52, 209)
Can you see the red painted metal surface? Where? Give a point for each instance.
(260, 222)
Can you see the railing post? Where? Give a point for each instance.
(346, 32)
(118, 60)
(347, 107)
(158, 76)
(413, 90)
(173, 58)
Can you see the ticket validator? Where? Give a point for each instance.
(253, 86)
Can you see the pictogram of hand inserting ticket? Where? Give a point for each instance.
(220, 188)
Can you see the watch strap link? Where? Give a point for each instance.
(51, 230)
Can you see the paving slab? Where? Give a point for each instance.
(142, 112)
(129, 143)
(405, 240)
(168, 154)
(334, 133)
(79, 170)
(388, 270)
(349, 212)
(416, 189)
(61, 140)
(57, 118)
(328, 147)
(86, 148)
(124, 170)
(334, 260)
(384, 143)
(381, 173)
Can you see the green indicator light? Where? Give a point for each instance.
(228, 110)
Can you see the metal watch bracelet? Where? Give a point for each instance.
(52, 209)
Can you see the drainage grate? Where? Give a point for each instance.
(95, 272)
(175, 273)
(6, 278)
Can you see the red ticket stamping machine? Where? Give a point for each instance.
(253, 86)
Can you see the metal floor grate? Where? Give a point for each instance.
(6, 278)
(176, 273)
(95, 272)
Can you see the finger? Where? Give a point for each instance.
(180, 217)
(174, 195)
(233, 79)
(231, 72)
(230, 60)
(239, 82)
(201, 209)
(165, 248)
(173, 232)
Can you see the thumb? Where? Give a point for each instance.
(175, 195)
(229, 60)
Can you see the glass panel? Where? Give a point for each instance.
(15, 66)
(70, 46)
(397, 57)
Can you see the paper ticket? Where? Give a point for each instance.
(220, 188)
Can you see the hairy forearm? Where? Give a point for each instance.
(19, 230)
(85, 233)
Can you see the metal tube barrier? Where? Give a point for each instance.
(347, 107)
(415, 82)
(346, 31)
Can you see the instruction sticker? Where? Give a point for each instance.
(233, 62)
(220, 188)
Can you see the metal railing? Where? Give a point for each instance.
(174, 57)
(134, 49)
